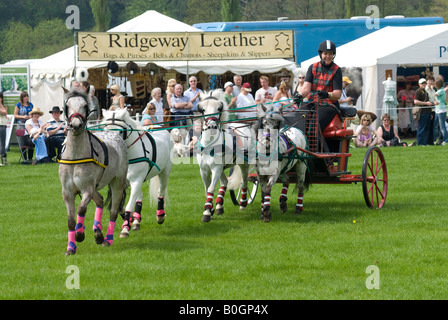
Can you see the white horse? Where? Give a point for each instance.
(149, 157)
(88, 163)
(277, 154)
(222, 146)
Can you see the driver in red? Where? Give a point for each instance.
(323, 79)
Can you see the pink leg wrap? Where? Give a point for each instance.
(209, 203)
(71, 241)
(284, 192)
(299, 205)
(220, 196)
(110, 232)
(80, 227)
(98, 218)
(127, 220)
(243, 201)
(161, 206)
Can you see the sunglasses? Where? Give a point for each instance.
(301, 77)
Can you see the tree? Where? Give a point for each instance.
(230, 10)
(101, 13)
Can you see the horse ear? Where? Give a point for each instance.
(279, 109)
(65, 89)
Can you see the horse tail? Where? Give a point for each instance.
(108, 201)
(154, 185)
(235, 179)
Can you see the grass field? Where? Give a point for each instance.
(322, 254)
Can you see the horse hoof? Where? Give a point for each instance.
(206, 218)
(219, 211)
(242, 208)
(298, 212)
(79, 237)
(106, 244)
(267, 217)
(136, 225)
(283, 206)
(99, 238)
(69, 252)
(161, 218)
(124, 233)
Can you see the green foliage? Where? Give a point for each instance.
(230, 10)
(102, 15)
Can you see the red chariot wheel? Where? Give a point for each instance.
(374, 178)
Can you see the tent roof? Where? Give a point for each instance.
(410, 46)
(153, 21)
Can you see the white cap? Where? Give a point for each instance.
(421, 80)
(228, 83)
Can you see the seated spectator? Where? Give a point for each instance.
(366, 137)
(387, 135)
(149, 117)
(35, 123)
(38, 138)
(56, 130)
(366, 121)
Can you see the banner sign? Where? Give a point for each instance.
(185, 46)
(14, 80)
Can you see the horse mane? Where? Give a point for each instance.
(77, 93)
(218, 94)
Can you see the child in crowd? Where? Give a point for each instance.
(38, 138)
(440, 115)
(364, 133)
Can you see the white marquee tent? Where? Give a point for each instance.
(48, 74)
(387, 49)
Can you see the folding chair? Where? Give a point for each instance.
(20, 135)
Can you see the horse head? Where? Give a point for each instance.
(211, 108)
(119, 119)
(270, 118)
(77, 106)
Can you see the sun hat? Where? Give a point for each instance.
(422, 80)
(246, 86)
(346, 79)
(56, 109)
(36, 110)
(228, 84)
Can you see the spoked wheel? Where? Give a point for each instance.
(374, 178)
(252, 187)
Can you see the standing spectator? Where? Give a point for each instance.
(245, 99)
(157, 100)
(56, 130)
(300, 83)
(283, 97)
(3, 123)
(117, 100)
(193, 93)
(266, 93)
(95, 113)
(22, 110)
(424, 127)
(406, 97)
(440, 114)
(167, 101)
(345, 101)
(285, 77)
(238, 84)
(180, 106)
(230, 99)
(432, 97)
